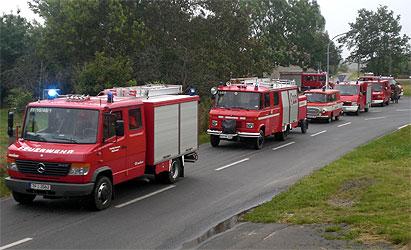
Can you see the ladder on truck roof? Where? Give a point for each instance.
(265, 82)
(145, 91)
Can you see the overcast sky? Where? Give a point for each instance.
(337, 13)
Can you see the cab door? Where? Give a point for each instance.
(136, 143)
(114, 149)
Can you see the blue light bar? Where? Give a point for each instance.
(52, 93)
(192, 92)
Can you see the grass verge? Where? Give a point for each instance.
(369, 189)
(406, 84)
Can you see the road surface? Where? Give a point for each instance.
(224, 182)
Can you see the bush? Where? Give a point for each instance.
(19, 97)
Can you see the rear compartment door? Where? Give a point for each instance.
(188, 127)
(293, 99)
(166, 132)
(286, 108)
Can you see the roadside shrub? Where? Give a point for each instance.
(19, 97)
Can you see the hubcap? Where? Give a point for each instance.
(103, 193)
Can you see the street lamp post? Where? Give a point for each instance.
(327, 81)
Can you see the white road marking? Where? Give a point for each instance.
(375, 118)
(285, 145)
(342, 125)
(232, 164)
(145, 196)
(376, 111)
(403, 109)
(15, 243)
(319, 133)
(404, 126)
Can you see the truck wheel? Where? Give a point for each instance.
(259, 142)
(214, 140)
(337, 117)
(172, 176)
(357, 112)
(304, 126)
(382, 104)
(282, 136)
(102, 193)
(366, 109)
(387, 102)
(23, 198)
(330, 119)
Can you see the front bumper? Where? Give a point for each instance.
(377, 101)
(349, 109)
(56, 190)
(231, 136)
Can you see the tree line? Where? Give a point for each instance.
(86, 46)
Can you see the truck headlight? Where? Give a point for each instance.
(249, 125)
(354, 104)
(79, 169)
(323, 111)
(11, 164)
(214, 123)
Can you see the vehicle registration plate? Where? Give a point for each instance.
(310, 116)
(39, 186)
(226, 137)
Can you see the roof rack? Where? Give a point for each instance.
(145, 91)
(264, 82)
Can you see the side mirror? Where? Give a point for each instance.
(119, 128)
(10, 120)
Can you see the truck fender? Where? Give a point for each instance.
(100, 170)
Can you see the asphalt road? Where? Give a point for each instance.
(224, 182)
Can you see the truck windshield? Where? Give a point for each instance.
(377, 86)
(61, 125)
(238, 100)
(316, 97)
(347, 89)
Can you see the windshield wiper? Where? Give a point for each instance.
(65, 139)
(34, 137)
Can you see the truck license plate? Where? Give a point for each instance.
(226, 137)
(39, 186)
(310, 116)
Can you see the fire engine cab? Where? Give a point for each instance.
(306, 80)
(324, 104)
(78, 145)
(356, 96)
(249, 109)
(381, 92)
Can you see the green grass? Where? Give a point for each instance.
(406, 84)
(369, 189)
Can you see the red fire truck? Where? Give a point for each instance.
(391, 82)
(356, 96)
(81, 146)
(324, 104)
(306, 80)
(381, 92)
(249, 109)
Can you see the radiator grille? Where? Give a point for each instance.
(46, 168)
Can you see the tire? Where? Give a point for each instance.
(214, 140)
(382, 104)
(330, 119)
(172, 176)
(282, 136)
(23, 198)
(304, 126)
(357, 113)
(259, 142)
(337, 117)
(102, 193)
(387, 103)
(366, 109)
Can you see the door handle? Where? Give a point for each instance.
(124, 146)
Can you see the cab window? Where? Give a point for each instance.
(267, 100)
(109, 126)
(134, 118)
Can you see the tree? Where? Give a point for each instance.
(375, 38)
